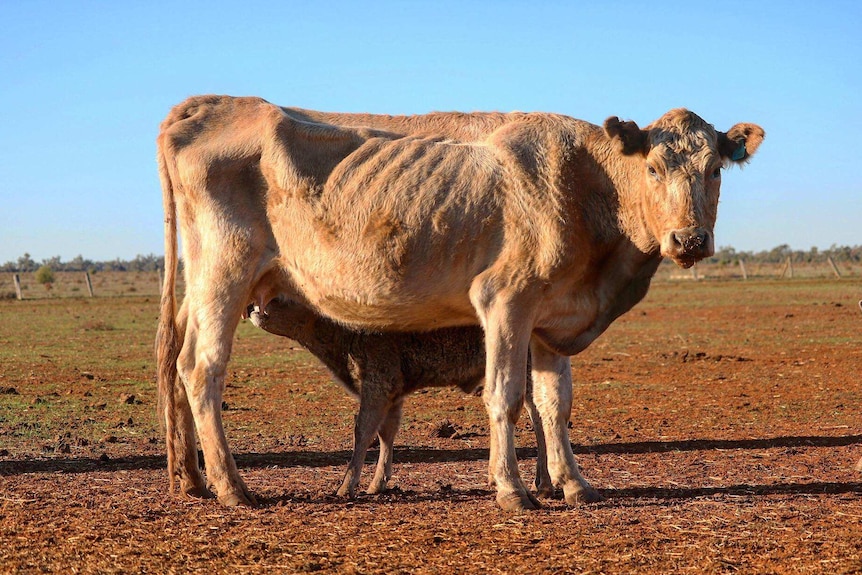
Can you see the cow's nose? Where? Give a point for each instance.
(688, 245)
(689, 241)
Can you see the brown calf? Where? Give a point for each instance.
(381, 369)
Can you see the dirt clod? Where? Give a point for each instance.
(444, 430)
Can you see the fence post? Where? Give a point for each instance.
(788, 268)
(89, 283)
(694, 272)
(17, 282)
(834, 267)
(742, 267)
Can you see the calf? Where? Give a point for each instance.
(381, 369)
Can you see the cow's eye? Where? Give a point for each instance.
(716, 174)
(652, 172)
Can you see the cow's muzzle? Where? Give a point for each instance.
(687, 246)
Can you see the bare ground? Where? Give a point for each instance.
(721, 421)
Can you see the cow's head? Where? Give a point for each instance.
(681, 176)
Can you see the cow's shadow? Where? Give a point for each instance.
(408, 454)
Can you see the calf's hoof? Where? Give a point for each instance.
(521, 500)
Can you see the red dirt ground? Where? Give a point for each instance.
(720, 420)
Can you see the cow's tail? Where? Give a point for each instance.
(168, 338)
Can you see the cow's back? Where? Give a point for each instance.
(459, 126)
(420, 217)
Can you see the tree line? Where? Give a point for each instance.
(140, 263)
(780, 254)
(723, 256)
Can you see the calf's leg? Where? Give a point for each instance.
(380, 378)
(387, 432)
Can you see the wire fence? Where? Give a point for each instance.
(81, 284)
(139, 283)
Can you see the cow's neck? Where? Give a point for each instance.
(620, 278)
(626, 174)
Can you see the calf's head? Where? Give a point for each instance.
(681, 158)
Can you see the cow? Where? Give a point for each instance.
(538, 227)
(381, 369)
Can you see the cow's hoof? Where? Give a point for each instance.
(196, 491)
(238, 497)
(376, 488)
(582, 494)
(545, 491)
(858, 466)
(237, 500)
(346, 491)
(518, 501)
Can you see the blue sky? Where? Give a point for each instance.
(84, 86)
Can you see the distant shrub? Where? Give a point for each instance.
(45, 276)
(97, 325)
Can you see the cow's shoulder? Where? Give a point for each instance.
(526, 137)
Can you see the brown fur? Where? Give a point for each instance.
(381, 369)
(541, 228)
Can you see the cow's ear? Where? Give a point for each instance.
(740, 142)
(630, 138)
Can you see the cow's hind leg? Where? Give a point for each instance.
(552, 394)
(203, 364)
(180, 427)
(216, 298)
(387, 432)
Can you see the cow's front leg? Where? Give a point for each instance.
(506, 345)
(543, 483)
(552, 394)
